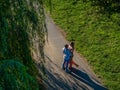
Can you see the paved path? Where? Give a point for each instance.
(82, 78)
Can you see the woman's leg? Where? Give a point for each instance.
(72, 62)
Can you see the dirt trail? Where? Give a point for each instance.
(82, 78)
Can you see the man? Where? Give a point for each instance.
(66, 56)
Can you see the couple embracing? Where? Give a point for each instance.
(68, 57)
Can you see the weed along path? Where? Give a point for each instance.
(81, 78)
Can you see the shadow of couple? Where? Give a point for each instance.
(85, 78)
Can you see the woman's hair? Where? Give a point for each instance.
(72, 44)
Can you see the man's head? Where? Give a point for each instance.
(66, 45)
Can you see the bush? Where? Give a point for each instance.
(14, 76)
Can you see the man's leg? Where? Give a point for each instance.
(63, 65)
(66, 69)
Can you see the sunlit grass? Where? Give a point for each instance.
(96, 34)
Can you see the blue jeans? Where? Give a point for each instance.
(65, 65)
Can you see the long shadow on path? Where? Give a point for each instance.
(56, 82)
(78, 74)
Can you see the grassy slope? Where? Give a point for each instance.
(97, 36)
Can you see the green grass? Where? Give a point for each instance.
(96, 34)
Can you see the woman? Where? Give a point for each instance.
(71, 47)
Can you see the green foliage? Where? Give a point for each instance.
(21, 23)
(110, 6)
(96, 33)
(14, 76)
